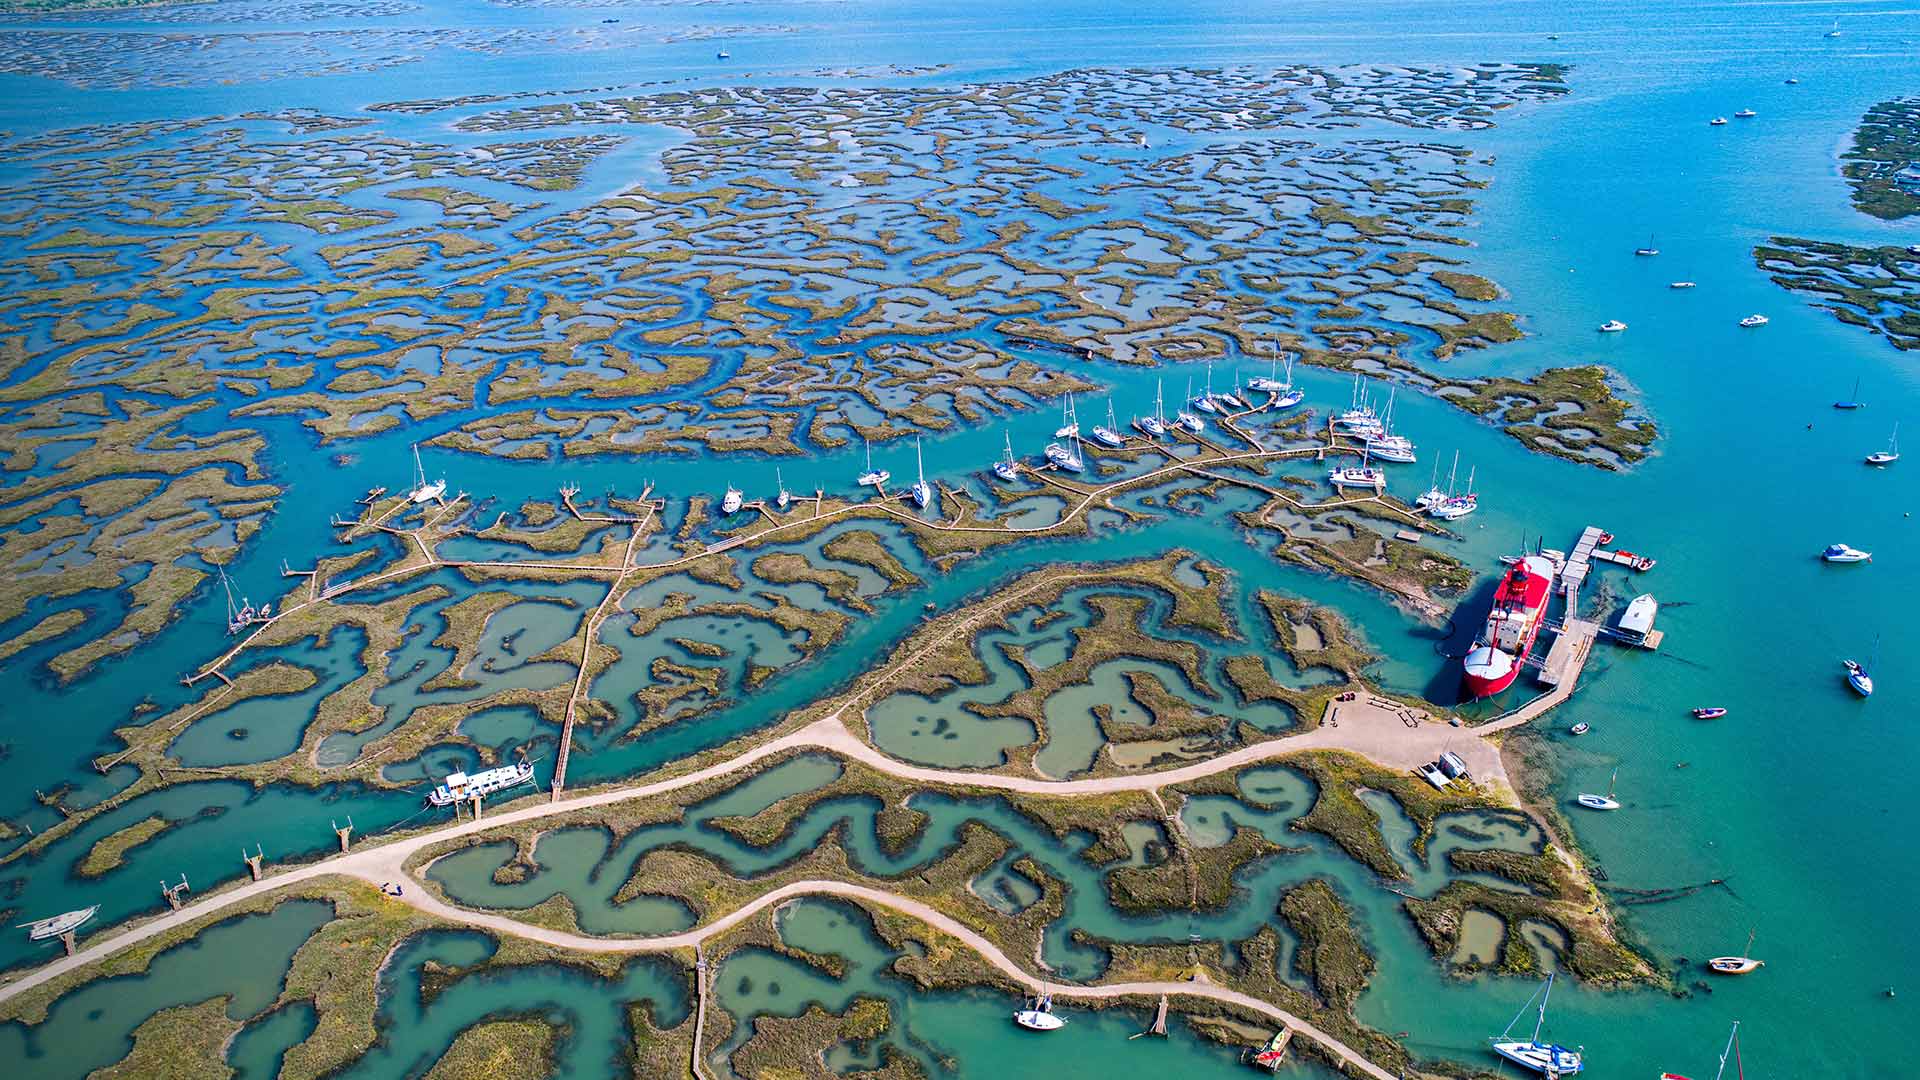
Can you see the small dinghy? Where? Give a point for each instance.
(1710, 712)
(1580, 728)
(1601, 802)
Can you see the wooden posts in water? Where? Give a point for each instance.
(343, 833)
(253, 861)
(173, 893)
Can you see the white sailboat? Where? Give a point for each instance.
(730, 502)
(1549, 1059)
(1359, 419)
(784, 497)
(1744, 964)
(65, 922)
(1156, 425)
(1205, 401)
(1434, 496)
(1007, 468)
(1601, 802)
(1387, 446)
(1455, 507)
(423, 491)
(1186, 420)
(1891, 454)
(1069, 422)
(873, 477)
(1039, 1015)
(1110, 434)
(1649, 250)
(1066, 455)
(922, 491)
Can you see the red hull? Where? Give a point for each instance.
(1519, 607)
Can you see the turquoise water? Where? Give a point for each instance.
(1752, 621)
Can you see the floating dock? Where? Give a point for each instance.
(1569, 653)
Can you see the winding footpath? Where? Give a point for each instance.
(386, 862)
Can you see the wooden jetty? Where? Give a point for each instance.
(1159, 1025)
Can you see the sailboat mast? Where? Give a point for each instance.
(1733, 1051)
(1540, 1021)
(919, 465)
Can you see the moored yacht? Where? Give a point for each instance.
(1718, 121)
(1743, 964)
(873, 477)
(1681, 285)
(459, 786)
(1649, 250)
(1853, 400)
(730, 502)
(1204, 402)
(1007, 468)
(1360, 418)
(1754, 320)
(1612, 326)
(1601, 802)
(1891, 454)
(1549, 1059)
(1109, 435)
(1069, 421)
(1842, 553)
(921, 490)
(1745, 114)
(1384, 444)
(422, 491)
(783, 498)
(65, 922)
(1039, 1015)
(1066, 455)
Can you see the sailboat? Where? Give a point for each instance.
(1649, 250)
(423, 491)
(1891, 454)
(922, 491)
(1853, 400)
(1186, 420)
(1732, 1051)
(1006, 468)
(1038, 1015)
(1547, 1058)
(1454, 507)
(1110, 434)
(1069, 422)
(1744, 964)
(873, 477)
(42, 929)
(1067, 455)
(1602, 802)
(1359, 419)
(731, 501)
(1155, 425)
(1433, 496)
(1387, 446)
(1284, 395)
(784, 497)
(1205, 401)
(238, 617)
(1835, 32)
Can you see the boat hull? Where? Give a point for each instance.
(1035, 1020)
(1487, 672)
(1541, 1057)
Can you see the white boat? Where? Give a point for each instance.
(1189, 423)
(1744, 964)
(1612, 326)
(42, 929)
(423, 491)
(1891, 454)
(1636, 622)
(1285, 396)
(1434, 496)
(1155, 425)
(1363, 475)
(239, 616)
(1841, 553)
(1204, 402)
(1387, 446)
(1835, 32)
(1549, 1059)
(1718, 121)
(1452, 507)
(459, 787)
(1649, 250)
(1039, 1015)
(1754, 320)
(1067, 455)
(1580, 728)
(922, 491)
(1601, 802)
(784, 497)
(1110, 434)
(723, 55)
(1007, 468)
(873, 477)
(1681, 285)
(1745, 114)
(1858, 678)
(1069, 422)
(730, 502)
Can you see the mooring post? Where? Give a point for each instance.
(253, 860)
(343, 833)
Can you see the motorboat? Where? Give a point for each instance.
(1841, 553)
(873, 477)
(1580, 728)
(458, 787)
(1709, 712)
(1358, 476)
(1681, 285)
(58, 925)
(1548, 1059)
(731, 501)
(1754, 320)
(1891, 454)
(1718, 121)
(1736, 965)
(1612, 326)
(922, 491)
(1745, 114)
(1858, 679)
(1007, 468)
(1039, 1015)
(1601, 802)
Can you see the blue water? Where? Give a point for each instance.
(1739, 496)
